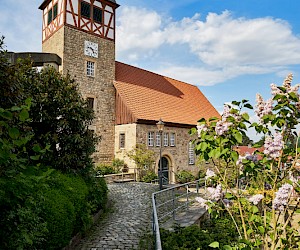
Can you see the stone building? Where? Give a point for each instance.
(128, 101)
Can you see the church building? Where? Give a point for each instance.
(127, 101)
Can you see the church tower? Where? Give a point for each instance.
(82, 33)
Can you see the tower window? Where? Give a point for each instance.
(158, 140)
(90, 102)
(85, 10)
(90, 68)
(97, 14)
(52, 14)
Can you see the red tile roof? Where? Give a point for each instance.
(150, 96)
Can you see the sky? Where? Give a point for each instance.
(230, 49)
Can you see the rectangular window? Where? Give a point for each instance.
(166, 139)
(150, 139)
(90, 68)
(90, 102)
(49, 16)
(97, 14)
(85, 10)
(172, 139)
(54, 11)
(122, 140)
(158, 140)
(191, 154)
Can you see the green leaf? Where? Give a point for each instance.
(246, 116)
(24, 115)
(261, 229)
(35, 157)
(248, 105)
(254, 209)
(293, 96)
(227, 247)
(238, 136)
(236, 103)
(36, 148)
(214, 244)
(14, 133)
(7, 115)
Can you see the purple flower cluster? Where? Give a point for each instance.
(273, 146)
(203, 202)
(263, 107)
(215, 193)
(282, 197)
(200, 128)
(209, 174)
(287, 85)
(250, 157)
(222, 127)
(255, 199)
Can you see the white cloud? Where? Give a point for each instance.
(138, 32)
(226, 47)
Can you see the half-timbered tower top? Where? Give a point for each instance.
(96, 17)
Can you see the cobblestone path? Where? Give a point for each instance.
(129, 219)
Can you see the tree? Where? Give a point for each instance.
(263, 212)
(59, 115)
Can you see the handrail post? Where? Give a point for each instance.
(187, 196)
(173, 197)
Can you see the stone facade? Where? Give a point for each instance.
(68, 43)
(177, 156)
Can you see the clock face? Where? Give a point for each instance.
(91, 49)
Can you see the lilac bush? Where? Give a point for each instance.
(264, 210)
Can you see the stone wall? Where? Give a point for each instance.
(68, 43)
(177, 155)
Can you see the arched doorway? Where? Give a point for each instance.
(165, 170)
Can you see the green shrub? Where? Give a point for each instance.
(104, 169)
(149, 176)
(59, 213)
(118, 165)
(97, 196)
(195, 237)
(185, 176)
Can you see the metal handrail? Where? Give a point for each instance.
(155, 219)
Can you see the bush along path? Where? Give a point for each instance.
(129, 220)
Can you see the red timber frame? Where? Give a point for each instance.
(69, 15)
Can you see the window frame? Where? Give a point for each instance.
(150, 139)
(172, 139)
(52, 13)
(166, 139)
(81, 10)
(122, 140)
(90, 71)
(101, 11)
(91, 100)
(191, 153)
(158, 139)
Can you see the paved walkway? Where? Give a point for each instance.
(129, 220)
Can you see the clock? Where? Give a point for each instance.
(91, 49)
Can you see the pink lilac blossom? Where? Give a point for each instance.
(273, 146)
(222, 127)
(215, 193)
(200, 128)
(287, 85)
(209, 174)
(263, 107)
(203, 202)
(282, 197)
(249, 157)
(255, 199)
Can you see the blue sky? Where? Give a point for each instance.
(230, 49)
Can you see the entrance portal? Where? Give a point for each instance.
(165, 170)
